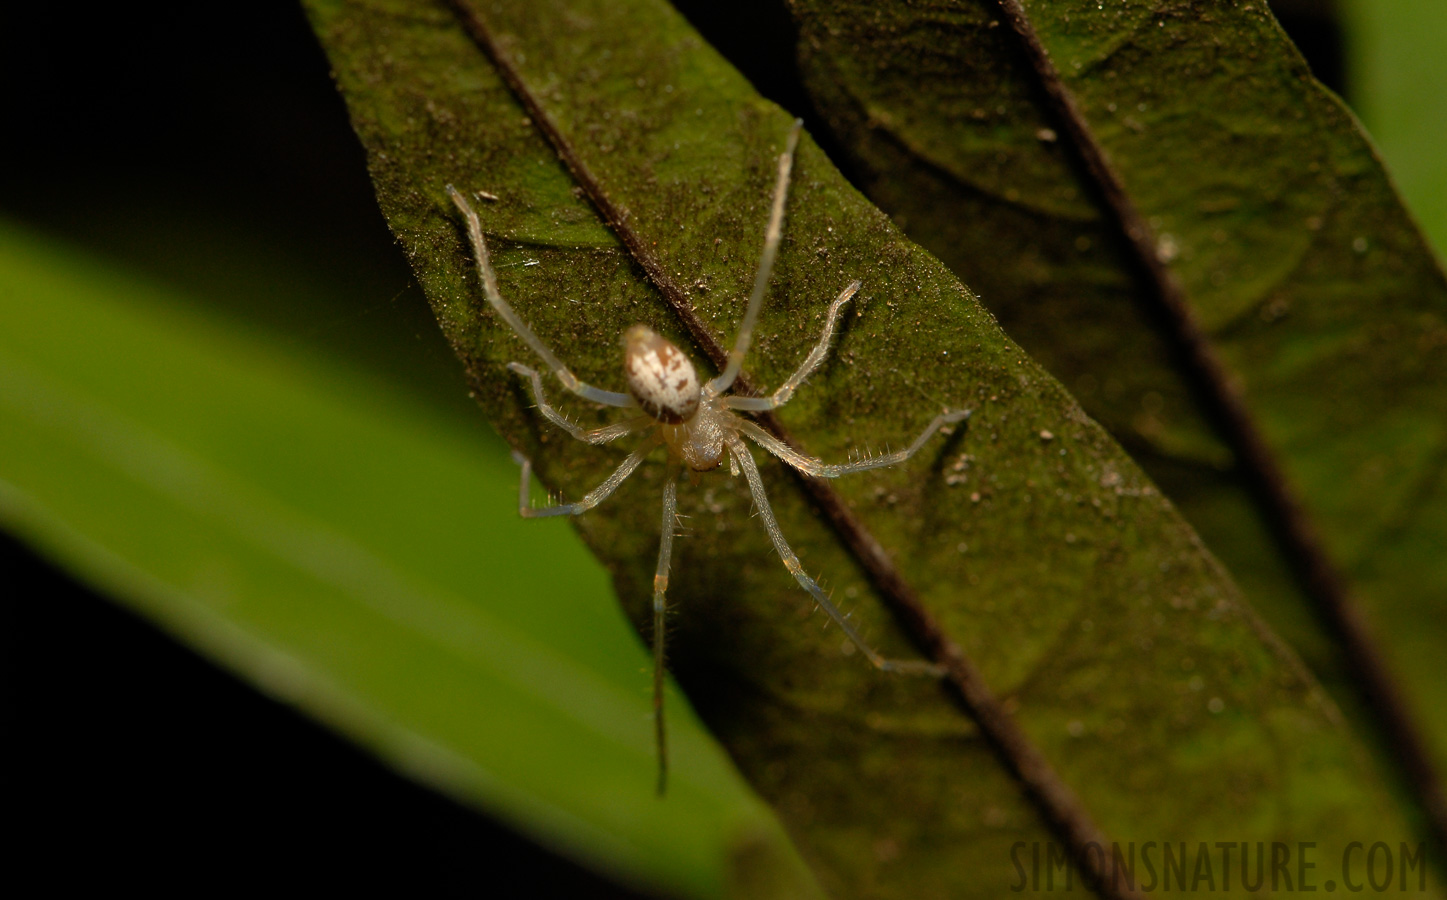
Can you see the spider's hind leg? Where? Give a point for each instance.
(660, 633)
(591, 499)
(590, 436)
(739, 450)
(509, 315)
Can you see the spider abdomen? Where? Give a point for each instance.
(660, 376)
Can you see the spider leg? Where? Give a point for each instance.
(740, 451)
(510, 316)
(591, 499)
(660, 634)
(811, 363)
(772, 235)
(594, 436)
(813, 466)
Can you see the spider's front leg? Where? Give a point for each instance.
(739, 451)
(819, 469)
(811, 363)
(773, 234)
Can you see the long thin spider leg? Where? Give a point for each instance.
(810, 365)
(509, 315)
(594, 436)
(813, 466)
(740, 451)
(772, 235)
(591, 499)
(660, 633)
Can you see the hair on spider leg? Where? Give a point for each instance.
(683, 528)
(698, 424)
(846, 617)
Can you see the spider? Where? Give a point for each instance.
(698, 423)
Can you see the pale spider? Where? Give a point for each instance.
(697, 424)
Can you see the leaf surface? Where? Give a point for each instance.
(1304, 275)
(1036, 546)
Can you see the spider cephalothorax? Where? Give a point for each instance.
(698, 423)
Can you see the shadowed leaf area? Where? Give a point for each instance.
(1094, 613)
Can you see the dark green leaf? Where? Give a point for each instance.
(1302, 271)
(1037, 546)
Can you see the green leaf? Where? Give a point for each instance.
(1303, 276)
(355, 554)
(1397, 78)
(1141, 683)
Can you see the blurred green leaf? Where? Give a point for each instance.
(356, 554)
(1397, 83)
(1120, 645)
